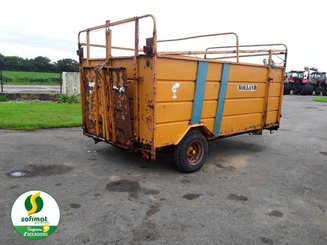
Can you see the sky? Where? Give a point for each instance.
(49, 28)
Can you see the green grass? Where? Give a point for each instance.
(67, 99)
(36, 115)
(322, 99)
(30, 78)
(3, 98)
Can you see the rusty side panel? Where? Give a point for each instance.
(132, 91)
(88, 107)
(106, 105)
(146, 90)
(120, 106)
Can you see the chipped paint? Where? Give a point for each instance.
(174, 90)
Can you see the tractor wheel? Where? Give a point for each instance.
(324, 91)
(307, 89)
(191, 153)
(287, 88)
(317, 91)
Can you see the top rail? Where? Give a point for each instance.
(108, 46)
(108, 24)
(233, 51)
(208, 35)
(255, 52)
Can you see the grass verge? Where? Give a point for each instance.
(30, 78)
(322, 99)
(37, 115)
(32, 83)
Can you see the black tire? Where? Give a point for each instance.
(324, 91)
(191, 153)
(307, 89)
(317, 91)
(287, 88)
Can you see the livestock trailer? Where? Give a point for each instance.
(145, 100)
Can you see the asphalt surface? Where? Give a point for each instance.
(30, 89)
(269, 189)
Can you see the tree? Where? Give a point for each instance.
(38, 64)
(67, 65)
(13, 63)
(43, 64)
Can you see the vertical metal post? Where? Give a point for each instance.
(237, 50)
(136, 82)
(136, 48)
(265, 103)
(108, 40)
(88, 47)
(60, 82)
(1, 79)
(270, 62)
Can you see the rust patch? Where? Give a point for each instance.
(121, 106)
(148, 121)
(89, 84)
(150, 104)
(107, 105)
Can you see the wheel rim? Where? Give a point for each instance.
(195, 153)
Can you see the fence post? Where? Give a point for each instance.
(60, 81)
(1, 79)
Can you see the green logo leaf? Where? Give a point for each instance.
(33, 203)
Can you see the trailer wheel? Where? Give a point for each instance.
(191, 153)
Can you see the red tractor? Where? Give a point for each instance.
(297, 82)
(319, 78)
(288, 83)
(308, 71)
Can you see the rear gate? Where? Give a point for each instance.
(106, 114)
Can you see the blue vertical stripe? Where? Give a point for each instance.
(200, 87)
(221, 99)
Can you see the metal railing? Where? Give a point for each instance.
(225, 52)
(200, 36)
(253, 52)
(108, 45)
